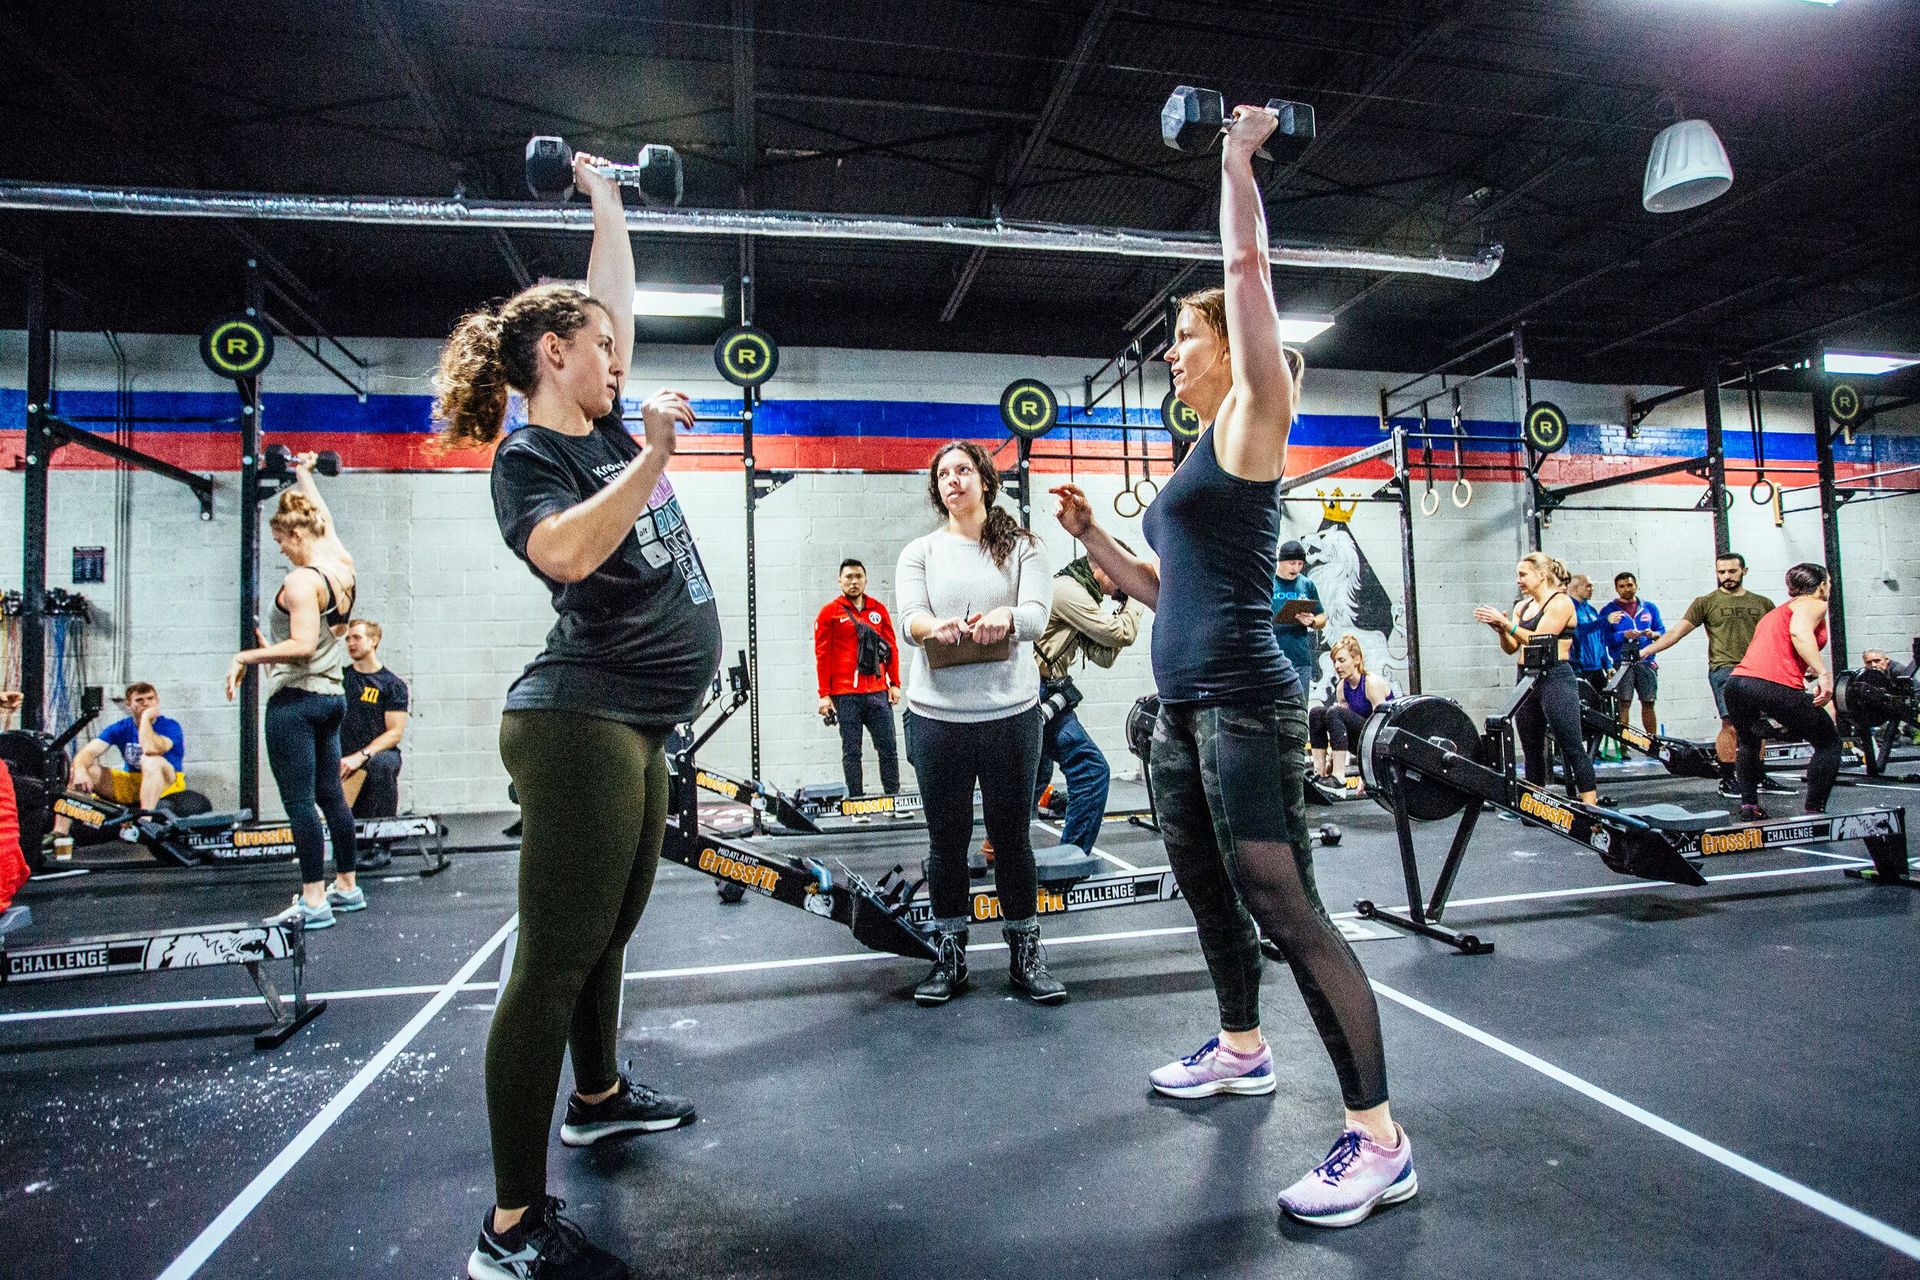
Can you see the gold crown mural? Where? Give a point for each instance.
(1336, 511)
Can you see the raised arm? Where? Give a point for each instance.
(308, 488)
(1257, 416)
(610, 262)
(1139, 578)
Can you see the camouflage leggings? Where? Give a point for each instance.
(1227, 781)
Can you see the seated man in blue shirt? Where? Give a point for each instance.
(152, 746)
(1299, 639)
(1637, 621)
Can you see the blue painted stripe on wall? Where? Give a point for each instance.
(931, 420)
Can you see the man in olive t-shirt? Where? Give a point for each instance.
(1729, 613)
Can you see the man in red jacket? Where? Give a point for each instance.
(858, 666)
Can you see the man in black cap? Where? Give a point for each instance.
(1297, 626)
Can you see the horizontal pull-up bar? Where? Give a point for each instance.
(63, 433)
(1462, 358)
(1448, 437)
(1368, 454)
(143, 419)
(1694, 466)
(1045, 237)
(1859, 482)
(1390, 412)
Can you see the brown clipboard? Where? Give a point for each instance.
(967, 652)
(1298, 611)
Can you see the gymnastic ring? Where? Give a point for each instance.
(1153, 490)
(1462, 493)
(1138, 506)
(1762, 492)
(1430, 502)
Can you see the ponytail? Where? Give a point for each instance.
(493, 351)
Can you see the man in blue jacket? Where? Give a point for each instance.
(1637, 621)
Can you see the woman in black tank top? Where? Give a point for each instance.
(1228, 756)
(1545, 609)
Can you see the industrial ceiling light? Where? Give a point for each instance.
(1303, 329)
(1867, 362)
(1686, 168)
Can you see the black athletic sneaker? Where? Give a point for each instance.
(541, 1246)
(1770, 783)
(1729, 790)
(634, 1109)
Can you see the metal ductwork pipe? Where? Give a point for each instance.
(1043, 237)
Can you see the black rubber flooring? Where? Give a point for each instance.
(1643, 1080)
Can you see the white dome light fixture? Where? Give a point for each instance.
(1687, 167)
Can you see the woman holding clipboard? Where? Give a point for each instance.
(973, 595)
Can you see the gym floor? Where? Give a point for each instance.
(1643, 1080)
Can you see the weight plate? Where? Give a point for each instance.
(1871, 697)
(1140, 726)
(1179, 418)
(1438, 720)
(1546, 427)
(746, 356)
(237, 346)
(1028, 408)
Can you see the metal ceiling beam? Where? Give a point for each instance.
(892, 105)
(1091, 29)
(417, 82)
(1901, 125)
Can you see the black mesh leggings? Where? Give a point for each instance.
(1555, 704)
(1228, 783)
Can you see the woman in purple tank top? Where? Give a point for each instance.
(1334, 727)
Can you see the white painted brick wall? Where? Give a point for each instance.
(463, 616)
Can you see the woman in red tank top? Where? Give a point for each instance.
(1771, 681)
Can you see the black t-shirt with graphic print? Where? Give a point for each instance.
(369, 698)
(638, 639)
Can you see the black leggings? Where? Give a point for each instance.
(1229, 781)
(1335, 725)
(1004, 755)
(1555, 703)
(380, 793)
(1748, 700)
(303, 750)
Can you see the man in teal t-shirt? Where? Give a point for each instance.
(1300, 639)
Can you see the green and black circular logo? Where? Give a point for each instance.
(1844, 400)
(1546, 426)
(1028, 408)
(237, 346)
(1178, 417)
(746, 356)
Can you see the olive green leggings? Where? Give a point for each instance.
(593, 809)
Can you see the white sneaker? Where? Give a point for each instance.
(309, 918)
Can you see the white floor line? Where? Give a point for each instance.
(802, 962)
(1098, 852)
(1847, 1216)
(1822, 853)
(196, 1254)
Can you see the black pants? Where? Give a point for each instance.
(1555, 704)
(874, 711)
(1748, 701)
(1003, 756)
(303, 750)
(380, 794)
(1336, 725)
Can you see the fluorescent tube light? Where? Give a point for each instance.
(703, 300)
(1303, 329)
(1864, 362)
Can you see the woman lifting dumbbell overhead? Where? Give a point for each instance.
(973, 597)
(637, 641)
(1545, 609)
(305, 700)
(1233, 719)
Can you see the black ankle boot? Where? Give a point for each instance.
(1027, 967)
(948, 977)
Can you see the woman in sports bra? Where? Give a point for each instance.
(1545, 609)
(1352, 696)
(1771, 681)
(304, 696)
